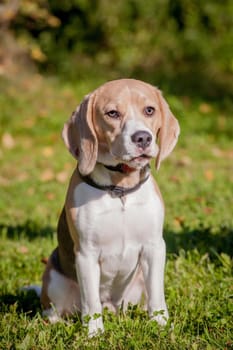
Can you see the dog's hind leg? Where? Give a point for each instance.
(60, 295)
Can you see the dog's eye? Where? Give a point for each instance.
(113, 114)
(149, 111)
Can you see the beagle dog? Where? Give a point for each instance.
(110, 247)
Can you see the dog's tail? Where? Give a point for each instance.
(33, 287)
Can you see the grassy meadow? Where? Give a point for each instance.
(197, 185)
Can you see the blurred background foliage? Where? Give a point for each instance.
(181, 45)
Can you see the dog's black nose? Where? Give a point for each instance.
(142, 139)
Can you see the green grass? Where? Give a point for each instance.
(196, 182)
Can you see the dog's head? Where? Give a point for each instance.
(123, 121)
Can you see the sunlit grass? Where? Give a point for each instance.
(196, 182)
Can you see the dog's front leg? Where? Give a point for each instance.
(88, 273)
(153, 262)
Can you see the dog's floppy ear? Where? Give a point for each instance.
(80, 137)
(168, 132)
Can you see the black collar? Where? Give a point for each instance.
(121, 168)
(115, 191)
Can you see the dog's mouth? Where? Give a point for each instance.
(139, 161)
(134, 161)
(142, 157)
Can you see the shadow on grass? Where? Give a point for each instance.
(27, 302)
(30, 230)
(203, 239)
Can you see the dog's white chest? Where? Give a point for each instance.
(103, 221)
(117, 230)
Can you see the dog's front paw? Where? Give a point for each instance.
(95, 326)
(161, 317)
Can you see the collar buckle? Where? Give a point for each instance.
(116, 191)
